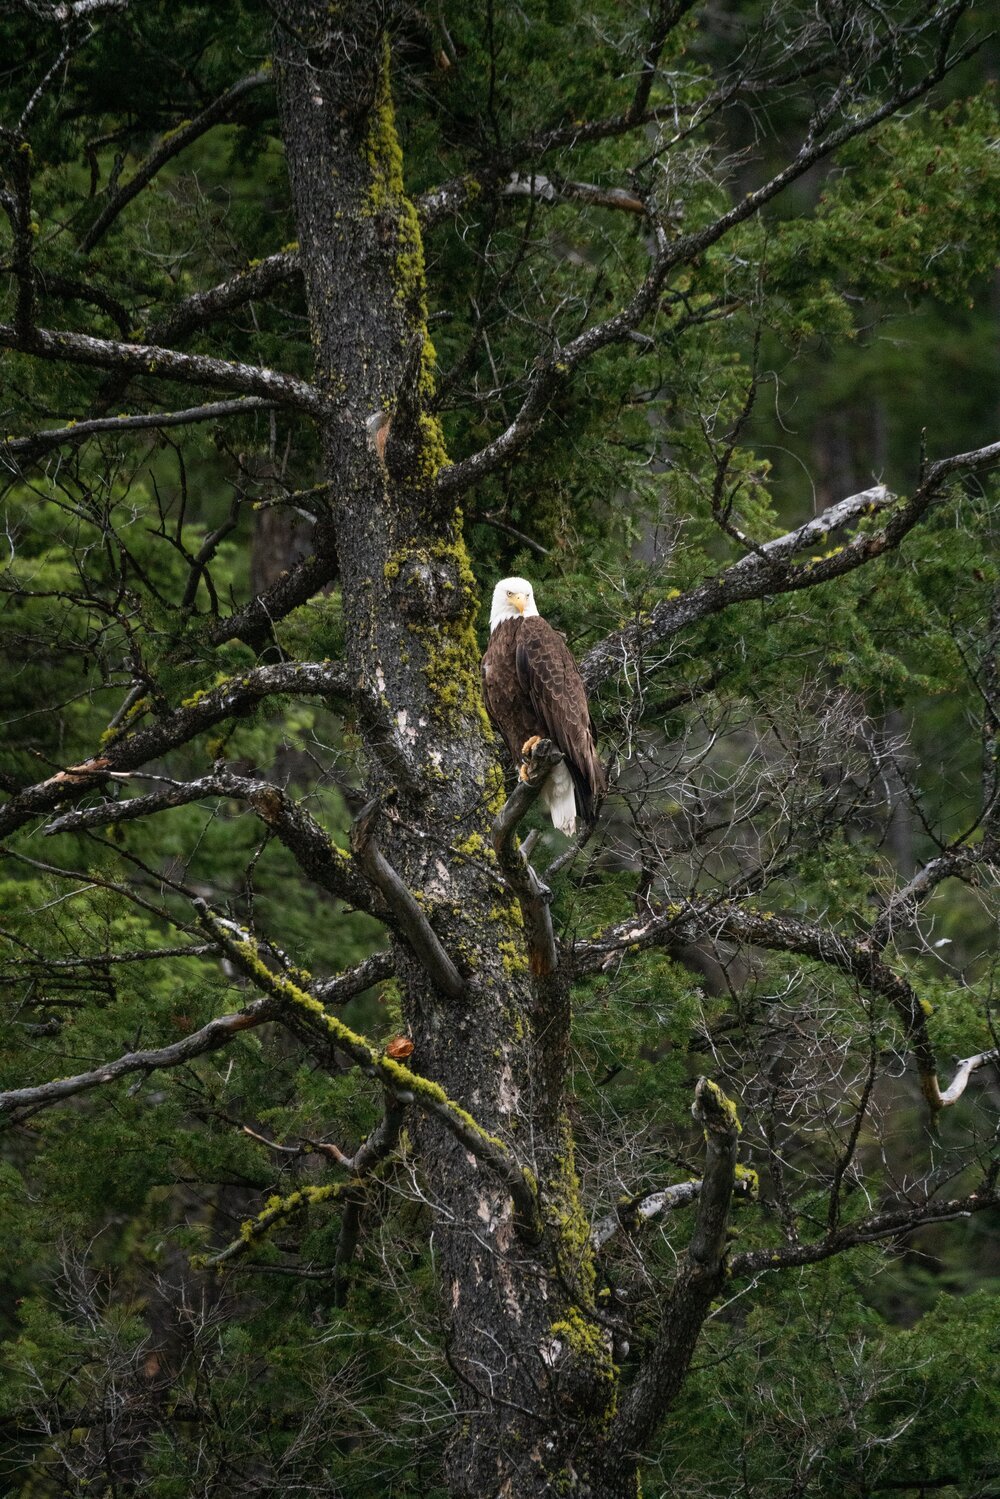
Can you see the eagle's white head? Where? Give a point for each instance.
(512, 597)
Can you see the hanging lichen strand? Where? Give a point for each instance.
(410, 602)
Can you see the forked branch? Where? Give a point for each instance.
(701, 1274)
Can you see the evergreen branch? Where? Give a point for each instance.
(77, 432)
(551, 372)
(890, 1224)
(169, 146)
(165, 364)
(20, 1103)
(702, 1273)
(901, 910)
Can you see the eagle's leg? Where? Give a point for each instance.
(526, 749)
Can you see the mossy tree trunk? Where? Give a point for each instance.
(482, 1103)
(525, 1341)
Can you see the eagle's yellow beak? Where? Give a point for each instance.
(518, 600)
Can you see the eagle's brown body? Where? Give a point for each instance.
(532, 686)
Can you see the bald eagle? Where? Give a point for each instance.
(533, 690)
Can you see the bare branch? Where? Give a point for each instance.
(562, 190)
(19, 1103)
(551, 372)
(888, 1225)
(276, 1211)
(64, 14)
(768, 570)
(901, 911)
(315, 852)
(169, 146)
(203, 307)
(665, 1366)
(254, 623)
(135, 747)
(963, 1072)
(370, 1154)
(635, 1210)
(855, 955)
(166, 364)
(533, 896)
(668, 14)
(77, 432)
(406, 913)
(344, 986)
(649, 1206)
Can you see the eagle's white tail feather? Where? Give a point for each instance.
(559, 798)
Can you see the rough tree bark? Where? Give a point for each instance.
(526, 1341)
(485, 984)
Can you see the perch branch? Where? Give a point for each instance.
(533, 896)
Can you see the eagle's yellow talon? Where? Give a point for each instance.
(522, 774)
(529, 745)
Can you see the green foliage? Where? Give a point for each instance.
(818, 341)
